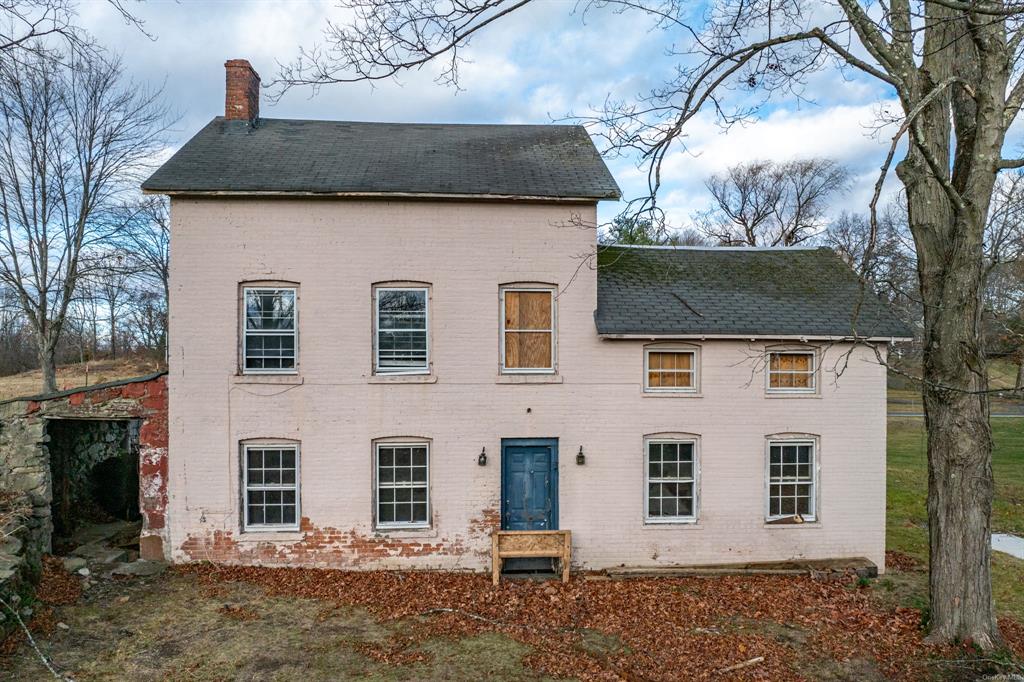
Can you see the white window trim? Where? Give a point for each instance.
(376, 333)
(769, 372)
(815, 471)
(695, 352)
(376, 486)
(661, 520)
(245, 332)
(554, 336)
(271, 527)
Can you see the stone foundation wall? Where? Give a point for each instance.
(25, 478)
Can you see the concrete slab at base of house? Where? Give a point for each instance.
(861, 566)
(1008, 544)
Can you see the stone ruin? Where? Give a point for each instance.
(75, 438)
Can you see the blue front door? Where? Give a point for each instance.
(529, 484)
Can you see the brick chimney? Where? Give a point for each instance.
(242, 91)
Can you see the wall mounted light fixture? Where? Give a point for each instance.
(581, 459)
(482, 458)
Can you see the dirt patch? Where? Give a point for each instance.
(236, 612)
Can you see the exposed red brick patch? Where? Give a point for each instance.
(333, 546)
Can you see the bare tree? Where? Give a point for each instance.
(955, 66)
(110, 273)
(74, 138)
(27, 25)
(639, 231)
(768, 203)
(147, 239)
(884, 256)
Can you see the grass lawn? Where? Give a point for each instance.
(907, 517)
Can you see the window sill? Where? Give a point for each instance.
(406, 533)
(794, 394)
(529, 379)
(402, 379)
(287, 379)
(672, 525)
(672, 394)
(271, 535)
(805, 524)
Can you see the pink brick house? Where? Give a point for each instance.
(388, 340)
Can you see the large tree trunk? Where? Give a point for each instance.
(48, 365)
(960, 483)
(960, 490)
(113, 334)
(947, 215)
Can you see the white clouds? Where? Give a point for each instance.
(841, 132)
(539, 63)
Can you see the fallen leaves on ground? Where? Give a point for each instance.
(900, 562)
(57, 586)
(665, 628)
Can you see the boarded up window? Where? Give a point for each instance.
(791, 371)
(528, 330)
(673, 370)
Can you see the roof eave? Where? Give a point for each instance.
(635, 336)
(382, 195)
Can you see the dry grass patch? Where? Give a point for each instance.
(78, 375)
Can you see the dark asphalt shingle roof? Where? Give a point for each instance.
(742, 292)
(284, 155)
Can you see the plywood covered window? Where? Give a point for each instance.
(791, 371)
(792, 477)
(670, 370)
(271, 486)
(269, 330)
(528, 330)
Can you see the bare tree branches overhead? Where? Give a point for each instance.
(955, 67)
(35, 26)
(74, 139)
(768, 203)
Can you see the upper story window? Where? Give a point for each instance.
(270, 330)
(527, 330)
(671, 481)
(401, 322)
(792, 480)
(403, 491)
(270, 486)
(670, 370)
(791, 371)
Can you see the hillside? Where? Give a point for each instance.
(76, 375)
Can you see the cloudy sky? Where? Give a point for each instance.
(538, 65)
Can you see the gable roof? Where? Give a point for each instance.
(387, 159)
(736, 292)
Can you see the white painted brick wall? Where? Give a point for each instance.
(337, 249)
